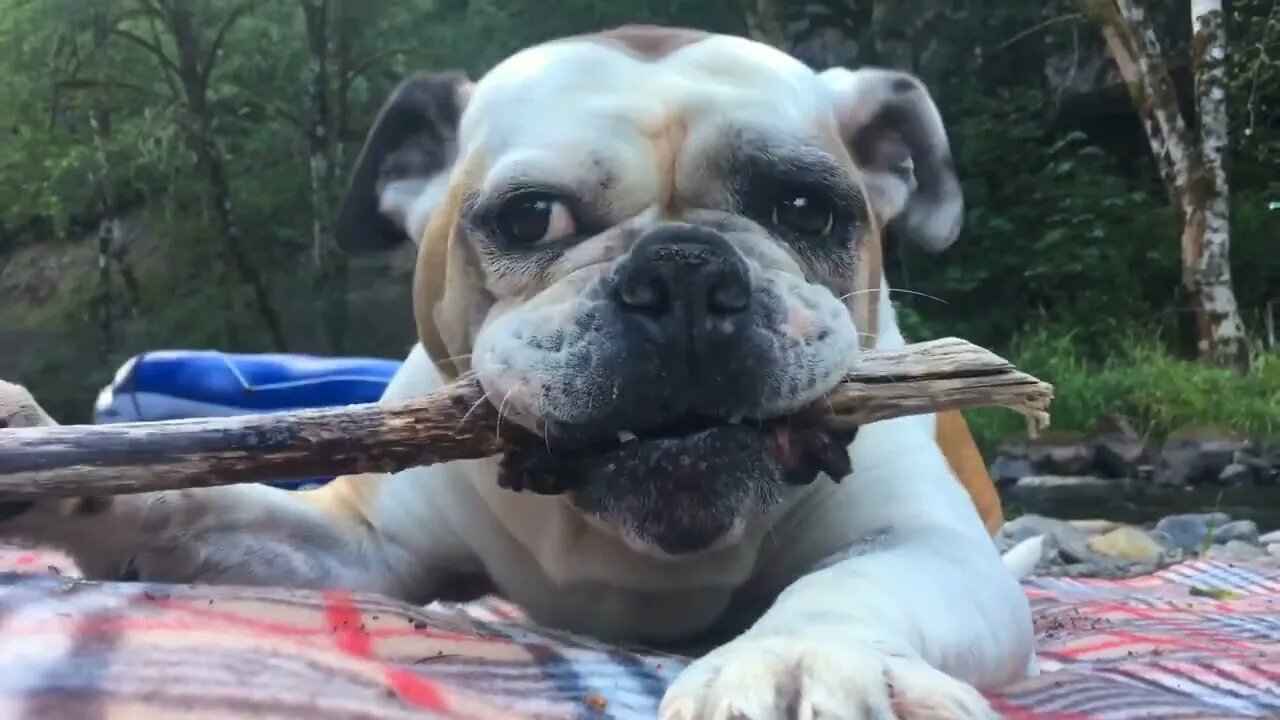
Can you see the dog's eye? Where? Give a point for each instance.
(532, 218)
(804, 213)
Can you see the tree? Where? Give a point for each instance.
(188, 72)
(328, 262)
(1190, 164)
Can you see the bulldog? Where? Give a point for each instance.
(656, 248)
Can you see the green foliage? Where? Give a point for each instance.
(1254, 91)
(1055, 231)
(1142, 380)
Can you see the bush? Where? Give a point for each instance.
(1142, 380)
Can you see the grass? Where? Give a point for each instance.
(1143, 381)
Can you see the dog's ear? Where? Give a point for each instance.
(402, 173)
(894, 133)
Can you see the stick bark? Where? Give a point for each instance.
(454, 423)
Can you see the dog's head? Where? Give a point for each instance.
(650, 244)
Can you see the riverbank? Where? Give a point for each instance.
(1107, 548)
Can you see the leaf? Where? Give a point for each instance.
(1215, 593)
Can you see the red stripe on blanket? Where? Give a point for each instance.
(204, 614)
(350, 636)
(1118, 639)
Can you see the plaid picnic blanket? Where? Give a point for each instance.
(1199, 640)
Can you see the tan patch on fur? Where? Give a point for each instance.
(594, 252)
(347, 497)
(866, 297)
(446, 288)
(84, 506)
(966, 462)
(668, 139)
(648, 42)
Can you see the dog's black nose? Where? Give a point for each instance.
(685, 279)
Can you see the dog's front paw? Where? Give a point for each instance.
(763, 678)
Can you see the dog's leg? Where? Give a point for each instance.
(245, 535)
(905, 623)
(248, 534)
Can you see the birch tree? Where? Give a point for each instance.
(1190, 163)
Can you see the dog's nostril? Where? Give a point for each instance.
(642, 289)
(731, 294)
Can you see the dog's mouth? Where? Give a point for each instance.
(799, 446)
(692, 423)
(684, 485)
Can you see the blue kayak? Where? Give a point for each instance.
(176, 384)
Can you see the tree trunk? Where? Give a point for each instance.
(1206, 257)
(193, 74)
(100, 129)
(329, 264)
(1189, 164)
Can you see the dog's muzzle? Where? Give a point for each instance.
(682, 306)
(680, 457)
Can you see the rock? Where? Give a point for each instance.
(1008, 469)
(1072, 544)
(1054, 452)
(1127, 544)
(1060, 453)
(1197, 456)
(1269, 538)
(1272, 475)
(1236, 474)
(1094, 526)
(1190, 532)
(1266, 471)
(1057, 488)
(1235, 551)
(1118, 450)
(1242, 530)
(1165, 540)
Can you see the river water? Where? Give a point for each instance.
(1146, 504)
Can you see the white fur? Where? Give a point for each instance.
(412, 202)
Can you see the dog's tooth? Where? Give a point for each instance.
(626, 436)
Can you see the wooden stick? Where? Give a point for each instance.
(454, 423)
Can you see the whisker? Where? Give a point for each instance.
(895, 290)
(474, 406)
(830, 407)
(452, 358)
(502, 406)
